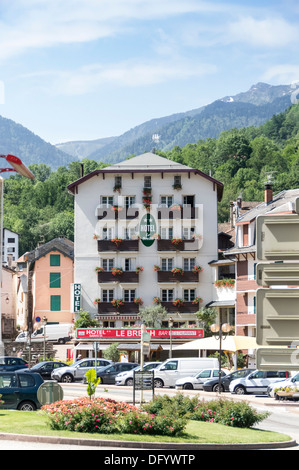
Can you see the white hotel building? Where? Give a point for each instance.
(119, 264)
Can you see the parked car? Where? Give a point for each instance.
(108, 374)
(77, 370)
(45, 368)
(19, 390)
(212, 385)
(126, 378)
(196, 381)
(257, 382)
(290, 382)
(11, 363)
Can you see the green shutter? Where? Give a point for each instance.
(55, 280)
(55, 303)
(54, 260)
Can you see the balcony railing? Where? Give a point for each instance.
(128, 307)
(187, 307)
(186, 276)
(123, 245)
(125, 277)
(184, 245)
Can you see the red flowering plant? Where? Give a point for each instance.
(97, 301)
(117, 271)
(225, 283)
(178, 271)
(117, 303)
(139, 269)
(197, 269)
(117, 241)
(138, 301)
(156, 300)
(98, 269)
(176, 241)
(196, 300)
(178, 302)
(156, 267)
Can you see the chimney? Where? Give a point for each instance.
(268, 193)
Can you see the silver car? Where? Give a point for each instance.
(77, 370)
(126, 378)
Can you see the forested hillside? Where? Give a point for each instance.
(42, 209)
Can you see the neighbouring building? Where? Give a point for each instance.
(244, 252)
(145, 233)
(45, 276)
(10, 249)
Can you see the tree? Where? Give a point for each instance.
(85, 321)
(206, 316)
(153, 315)
(112, 353)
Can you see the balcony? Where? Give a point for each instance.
(119, 245)
(186, 276)
(184, 245)
(177, 212)
(117, 213)
(125, 277)
(127, 308)
(187, 307)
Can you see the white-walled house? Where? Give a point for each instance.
(136, 222)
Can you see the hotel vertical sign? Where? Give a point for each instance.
(76, 298)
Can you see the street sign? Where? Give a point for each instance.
(277, 359)
(277, 237)
(277, 320)
(277, 274)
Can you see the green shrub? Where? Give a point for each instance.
(144, 423)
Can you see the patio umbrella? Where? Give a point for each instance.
(230, 343)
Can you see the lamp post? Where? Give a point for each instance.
(44, 323)
(220, 332)
(20, 168)
(170, 324)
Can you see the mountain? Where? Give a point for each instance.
(17, 140)
(250, 108)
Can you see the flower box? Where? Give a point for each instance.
(117, 271)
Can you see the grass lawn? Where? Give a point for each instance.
(35, 423)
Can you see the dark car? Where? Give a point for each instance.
(108, 373)
(19, 390)
(46, 368)
(11, 363)
(213, 384)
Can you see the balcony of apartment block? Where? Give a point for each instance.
(118, 244)
(122, 308)
(177, 211)
(118, 276)
(184, 308)
(177, 276)
(177, 244)
(116, 212)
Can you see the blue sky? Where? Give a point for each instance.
(87, 69)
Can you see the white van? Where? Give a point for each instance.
(177, 368)
(58, 333)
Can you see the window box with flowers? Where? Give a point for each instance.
(147, 191)
(225, 283)
(117, 188)
(116, 208)
(178, 302)
(196, 300)
(178, 271)
(117, 271)
(117, 303)
(197, 269)
(98, 269)
(138, 301)
(156, 267)
(176, 241)
(117, 241)
(177, 186)
(97, 301)
(156, 300)
(139, 269)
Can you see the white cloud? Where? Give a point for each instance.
(282, 73)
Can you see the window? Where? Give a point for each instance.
(188, 233)
(11, 240)
(130, 201)
(117, 181)
(189, 201)
(166, 201)
(130, 232)
(26, 380)
(129, 295)
(108, 324)
(107, 233)
(166, 264)
(55, 280)
(55, 303)
(177, 181)
(171, 365)
(108, 295)
(108, 264)
(166, 233)
(189, 295)
(189, 264)
(54, 260)
(147, 182)
(107, 201)
(167, 295)
(8, 381)
(130, 264)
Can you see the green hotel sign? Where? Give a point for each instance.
(147, 229)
